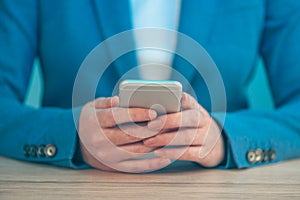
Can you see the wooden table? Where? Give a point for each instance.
(20, 180)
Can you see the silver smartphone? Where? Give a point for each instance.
(162, 96)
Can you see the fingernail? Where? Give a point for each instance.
(183, 99)
(152, 114)
(115, 101)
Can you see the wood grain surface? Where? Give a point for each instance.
(21, 180)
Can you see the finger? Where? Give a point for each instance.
(105, 145)
(133, 166)
(91, 160)
(180, 153)
(108, 166)
(110, 163)
(181, 137)
(189, 102)
(186, 118)
(118, 137)
(113, 116)
(115, 154)
(127, 134)
(138, 148)
(142, 165)
(213, 155)
(106, 102)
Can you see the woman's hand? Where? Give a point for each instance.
(191, 135)
(111, 141)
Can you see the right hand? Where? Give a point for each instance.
(109, 144)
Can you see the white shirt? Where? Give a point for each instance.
(155, 14)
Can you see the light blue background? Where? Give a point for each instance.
(259, 95)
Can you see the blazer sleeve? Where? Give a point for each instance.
(45, 135)
(256, 137)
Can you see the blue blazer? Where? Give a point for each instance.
(236, 34)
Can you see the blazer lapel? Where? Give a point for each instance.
(196, 21)
(114, 17)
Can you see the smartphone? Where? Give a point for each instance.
(161, 96)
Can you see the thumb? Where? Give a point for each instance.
(189, 102)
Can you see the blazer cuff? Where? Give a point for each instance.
(228, 161)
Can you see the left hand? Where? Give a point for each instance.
(190, 135)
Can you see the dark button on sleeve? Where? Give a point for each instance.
(26, 150)
(251, 158)
(266, 156)
(32, 150)
(41, 151)
(50, 150)
(272, 154)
